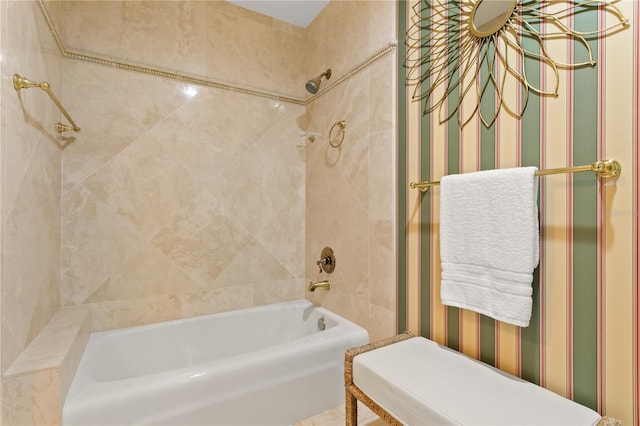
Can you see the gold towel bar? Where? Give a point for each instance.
(604, 169)
(24, 83)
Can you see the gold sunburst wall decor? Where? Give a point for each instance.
(471, 48)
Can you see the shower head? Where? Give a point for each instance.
(314, 84)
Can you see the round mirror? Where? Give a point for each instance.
(488, 16)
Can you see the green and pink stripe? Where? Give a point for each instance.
(573, 343)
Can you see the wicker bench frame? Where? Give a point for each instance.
(353, 394)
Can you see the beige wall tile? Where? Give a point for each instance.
(114, 108)
(216, 39)
(134, 311)
(96, 242)
(31, 257)
(201, 240)
(143, 183)
(146, 273)
(350, 195)
(382, 322)
(30, 181)
(32, 399)
(204, 186)
(58, 347)
(278, 291)
(200, 197)
(216, 300)
(382, 264)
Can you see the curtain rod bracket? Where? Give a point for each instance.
(24, 83)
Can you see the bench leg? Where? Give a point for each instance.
(351, 409)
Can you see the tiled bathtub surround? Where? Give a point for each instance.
(350, 202)
(209, 38)
(194, 202)
(30, 182)
(37, 382)
(192, 208)
(181, 200)
(178, 200)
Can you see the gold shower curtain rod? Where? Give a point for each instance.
(24, 83)
(604, 169)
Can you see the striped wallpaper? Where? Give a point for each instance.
(583, 341)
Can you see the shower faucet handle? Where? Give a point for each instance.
(327, 262)
(322, 262)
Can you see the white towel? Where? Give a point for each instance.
(489, 242)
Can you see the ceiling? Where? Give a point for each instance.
(296, 12)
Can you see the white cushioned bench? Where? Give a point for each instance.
(414, 381)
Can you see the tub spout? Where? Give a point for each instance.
(324, 285)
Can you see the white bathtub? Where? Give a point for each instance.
(269, 365)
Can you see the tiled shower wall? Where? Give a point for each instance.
(30, 182)
(181, 200)
(350, 190)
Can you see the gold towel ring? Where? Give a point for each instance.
(342, 124)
